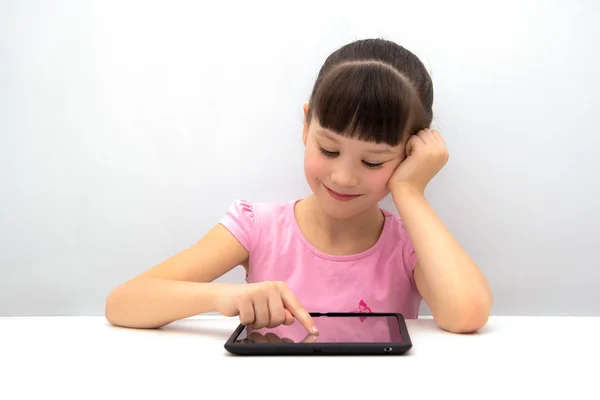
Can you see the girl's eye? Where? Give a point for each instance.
(328, 153)
(371, 165)
(332, 154)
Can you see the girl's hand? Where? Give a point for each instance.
(263, 305)
(426, 154)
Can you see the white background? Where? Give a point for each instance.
(127, 128)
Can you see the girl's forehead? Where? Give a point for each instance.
(372, 147)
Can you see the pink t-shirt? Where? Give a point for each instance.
(379, 279)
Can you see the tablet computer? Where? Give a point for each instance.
(339, 334)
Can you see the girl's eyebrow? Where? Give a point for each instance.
(381, 151)
(328, 135)
(331, 137)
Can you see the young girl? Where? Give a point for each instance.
(366, 135)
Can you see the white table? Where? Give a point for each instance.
(86, 358)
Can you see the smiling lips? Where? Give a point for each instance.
(341, 197)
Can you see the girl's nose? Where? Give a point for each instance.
(344, 179)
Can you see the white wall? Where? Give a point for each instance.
(128, 127)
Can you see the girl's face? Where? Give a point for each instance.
(348, 176)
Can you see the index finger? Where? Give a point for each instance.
(291, 303)
(310, 338)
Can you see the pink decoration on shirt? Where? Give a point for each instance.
(363, 307)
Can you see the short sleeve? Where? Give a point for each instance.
(409, 257)
(240, 220)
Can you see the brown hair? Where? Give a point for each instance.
(373, 90)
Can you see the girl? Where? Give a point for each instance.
(366, 135)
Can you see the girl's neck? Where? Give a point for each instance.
(338, 236)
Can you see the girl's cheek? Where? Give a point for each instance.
(314, 165)
(380, 178)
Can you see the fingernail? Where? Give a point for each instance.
(315, 330)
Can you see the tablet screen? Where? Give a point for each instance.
(371, 329)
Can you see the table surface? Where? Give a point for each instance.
(86, 357)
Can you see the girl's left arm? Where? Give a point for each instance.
(455, 290)
(449, 281)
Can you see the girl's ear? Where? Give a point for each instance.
(306, 124)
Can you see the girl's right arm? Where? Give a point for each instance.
(181, 287)
(178, 287)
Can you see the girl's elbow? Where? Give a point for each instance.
(114, 306)
(468, 324)
(110, 308)
(469, 318)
